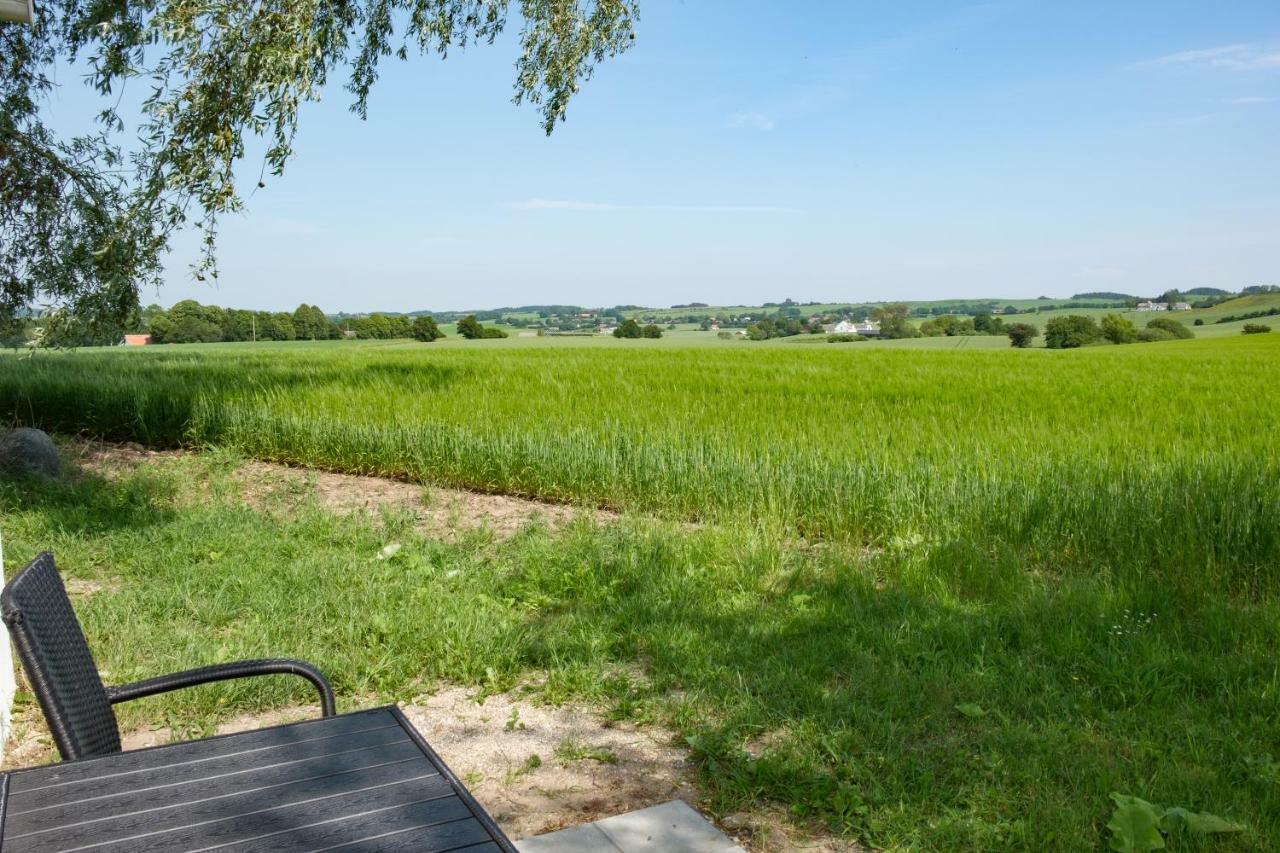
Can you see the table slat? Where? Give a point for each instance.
(355, 783)
(310, 829)
(279, 737)
(310, 777)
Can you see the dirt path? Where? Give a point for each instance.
(439, 512)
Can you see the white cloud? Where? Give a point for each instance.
(1245, 101)
(608, 207)
(1232, 57)
(750, 121)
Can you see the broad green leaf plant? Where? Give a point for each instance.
(1138, 826)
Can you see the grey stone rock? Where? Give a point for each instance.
(29, 453)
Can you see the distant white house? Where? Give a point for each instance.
(1182, 306)
(605, 329)
(848, 327)
(1154, 306)
(715, 327)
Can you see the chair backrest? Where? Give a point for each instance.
(58, 662)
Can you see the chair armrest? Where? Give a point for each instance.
(224, 672)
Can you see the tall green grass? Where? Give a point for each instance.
(1124, 460)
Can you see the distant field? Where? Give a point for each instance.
(1045, 311)
(1210, 316)
(827, 307)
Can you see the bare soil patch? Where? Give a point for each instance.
(538, 768)
(439, 512)
(107, 459)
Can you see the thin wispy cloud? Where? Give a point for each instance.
(750, 121)
(1230, 57)
(610, 207)
(1247, 100)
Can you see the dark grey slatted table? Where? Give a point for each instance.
(357, 782)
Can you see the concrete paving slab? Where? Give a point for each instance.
(576, 839)
(672, 827)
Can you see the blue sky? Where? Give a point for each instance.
(749, 151)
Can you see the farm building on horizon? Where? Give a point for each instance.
(849, 327)
(1152, 306)
(136, 340)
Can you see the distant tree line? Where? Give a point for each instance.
(1167, 296)
(949, 325)
(1250, 315)
(189, 322)
(472, 329)
(1105, 294)
(963, 308)
(779, 326)
(1021, 334)
(1078, 330)
(630, 328)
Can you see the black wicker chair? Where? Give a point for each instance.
(60, 666)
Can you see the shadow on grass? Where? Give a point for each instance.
(160, 397)
(82, 504)
(870, 697)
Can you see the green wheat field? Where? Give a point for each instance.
(927, 599)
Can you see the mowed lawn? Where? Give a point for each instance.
(933, 599)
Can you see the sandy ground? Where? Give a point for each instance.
(439, 512)
(535, 767)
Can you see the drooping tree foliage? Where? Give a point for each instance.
(84, 221)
